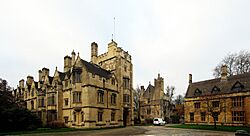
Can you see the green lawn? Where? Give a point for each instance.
(50, 130)
(211, 127)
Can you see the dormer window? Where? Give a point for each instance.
(215, 89)
(237, 86)
(197, 92)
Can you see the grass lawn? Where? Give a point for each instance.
(211, 127)
(50, 130)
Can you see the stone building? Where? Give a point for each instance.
(223, 100)
(154, 103)
(85, 94)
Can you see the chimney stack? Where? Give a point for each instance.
(73, 56)
(94, 52)
(190, 78)
(224, 72)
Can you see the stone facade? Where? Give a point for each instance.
(86, 94)
(226, 99)
(154, 103)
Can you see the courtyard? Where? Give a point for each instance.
(142, 131)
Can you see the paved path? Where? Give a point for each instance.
(166, 131)
(141, 131)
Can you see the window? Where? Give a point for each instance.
(100, 97)
(100, 113)
(66, 101)
(113, 81)
(148, 100)
(93, 75)
(197, 105)
(32, 104)
(126, 98)
(112, 116)
(148, 111)
(215, 115)
(125, 68)
(237, 86)
(66, 119)
(197, 92)
(216, 104)
(66, 83)
(51, 100)
(32, 92)
(238, 101)
(215, 89)
(77, 97)
(113, 98)
(125, 83)
(82, 116)
(203, 116)
(74, 117)
(77, 75)
(191, 114)
(41, 102)
(238, 116)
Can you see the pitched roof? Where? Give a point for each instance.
(50, 79)
(149, 91)
(233, 84)
(95, 69)
(61, 75)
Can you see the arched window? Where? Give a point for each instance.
(74, 116)
(82, 116)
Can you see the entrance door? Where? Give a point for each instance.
(125, 116)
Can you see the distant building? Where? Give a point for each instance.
(86, 94)
(225, 98)
(154, 103)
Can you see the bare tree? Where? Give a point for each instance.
(137, 94)
(179, 99)
(213, 107)
(237, 63)
(170, 92)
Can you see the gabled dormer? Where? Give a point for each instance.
(237, 86)
(215, 90)
(197, 92)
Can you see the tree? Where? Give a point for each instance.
(179, 99)
(237, 63)
(170, 92)
(14, 116)
(137, 94)
(213, 107)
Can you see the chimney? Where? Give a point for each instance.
(40, 74)
(190, 78)
(21, 83)
(142, 88)
(45, 71)
(94, 52)
(224, 72)
(73, 55)
(29, 80)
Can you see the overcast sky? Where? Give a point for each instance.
(171, 37)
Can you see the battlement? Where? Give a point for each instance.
(114, 50)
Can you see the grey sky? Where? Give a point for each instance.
(171, 37)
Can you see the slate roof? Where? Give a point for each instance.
(233, 84)
(50, 79)
(61, 75)
(149, 91)
(95, 69)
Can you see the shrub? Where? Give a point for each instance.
(148, 121)
(56, 124)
